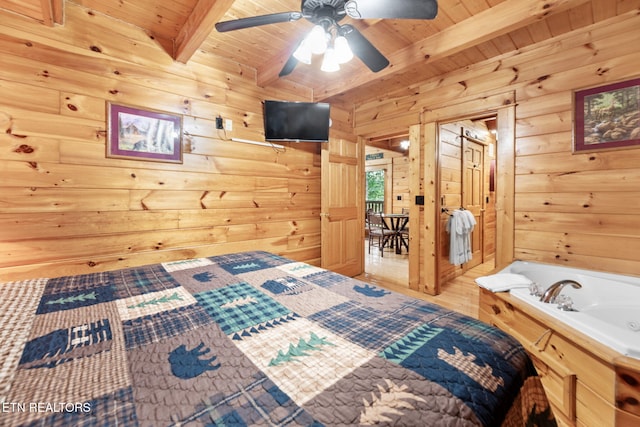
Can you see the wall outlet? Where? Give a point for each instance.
(228, 124)
(219, 122)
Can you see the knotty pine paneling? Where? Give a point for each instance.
(400, 184)
(607, 224)
(600, 203)
(67, 209)
(577, 210)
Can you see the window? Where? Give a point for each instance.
(375, 189)
(375, 185)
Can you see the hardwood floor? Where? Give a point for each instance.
(391, 272)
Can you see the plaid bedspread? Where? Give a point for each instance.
(251, 339)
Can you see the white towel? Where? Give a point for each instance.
(459, 226)
(503, 282)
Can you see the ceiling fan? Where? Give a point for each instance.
(326, 14)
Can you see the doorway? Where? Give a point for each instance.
(387, 191)
(467, 160)
(424, 186)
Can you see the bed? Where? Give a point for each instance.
(250, 339)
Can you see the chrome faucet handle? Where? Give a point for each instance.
(535, 289)
(565, 303)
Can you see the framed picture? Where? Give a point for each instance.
(607, 117)
(142, 134)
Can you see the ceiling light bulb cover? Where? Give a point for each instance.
(330, 62)
(343, 51)
(303, 53)
(317, 40)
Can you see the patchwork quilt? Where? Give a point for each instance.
(251, 339)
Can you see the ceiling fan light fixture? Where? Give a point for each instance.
(343, 51)
(303, 53)
(317, 40)
(325, 15)
(330, 61)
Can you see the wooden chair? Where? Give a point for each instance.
(405, 230)
(379, 234)
(366, 218)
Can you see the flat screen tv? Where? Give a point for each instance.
(296, 121)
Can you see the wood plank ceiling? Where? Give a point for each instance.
(464, 32)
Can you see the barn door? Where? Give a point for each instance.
(473, 194)
(342, 212)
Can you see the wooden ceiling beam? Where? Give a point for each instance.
(52, 12)
(58, 11)
(198, 26)
(387, 145)
(486, 25)
(397, 136)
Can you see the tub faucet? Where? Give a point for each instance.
(554, 290)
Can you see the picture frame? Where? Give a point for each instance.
(607, 117)
(138, 133)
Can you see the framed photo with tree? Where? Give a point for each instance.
(607, 117)
(142, 134)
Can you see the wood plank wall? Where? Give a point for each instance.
(578, 210)
(490, 219)
(66, 209)
(400, 193)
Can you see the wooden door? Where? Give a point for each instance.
(473, 194)
(342, 216)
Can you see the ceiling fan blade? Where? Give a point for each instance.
(291, 63)
(363, 49)
(288, 66)
(396, 9)
(255, 21)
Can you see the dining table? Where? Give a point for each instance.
(397, 222)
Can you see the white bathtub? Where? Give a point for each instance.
(608, 305)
